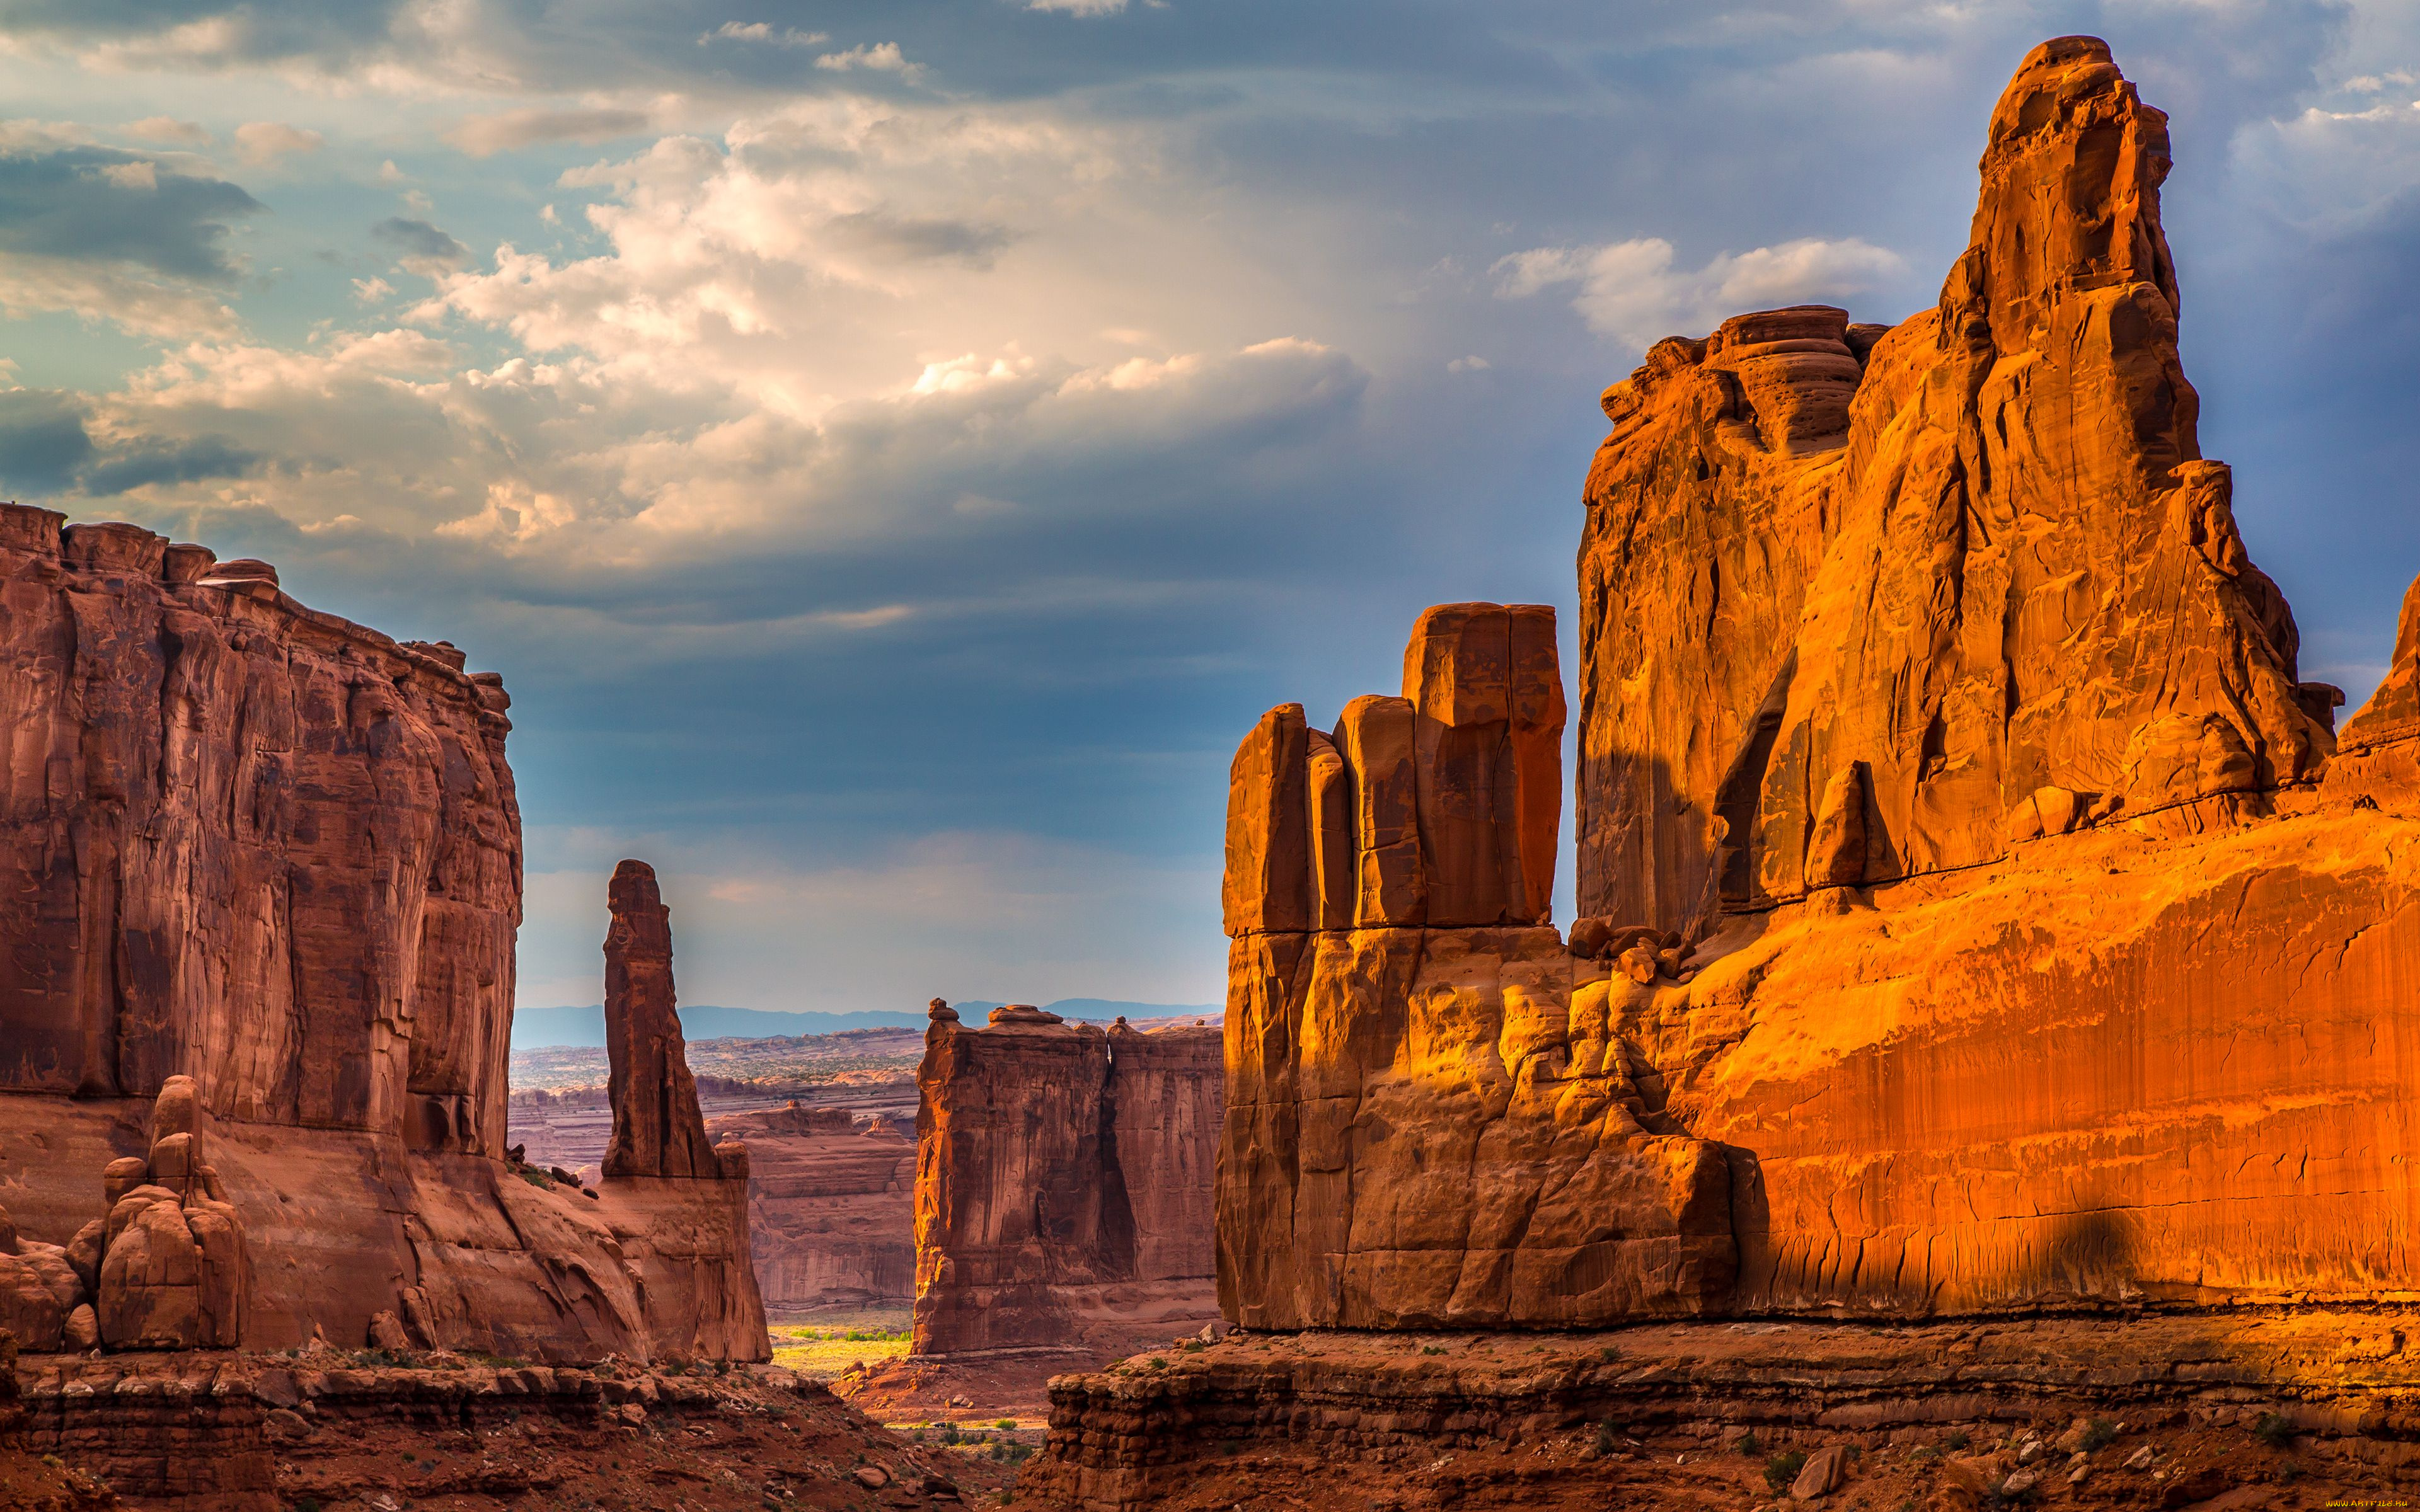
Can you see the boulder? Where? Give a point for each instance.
(83, 1252)
(28, 1308)
(386, 1333)
(152, 1281)
(50, 1262)
(1826, 1471)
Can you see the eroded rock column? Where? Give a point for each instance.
(1428, 1122)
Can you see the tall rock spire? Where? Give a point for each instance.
(1999, 580)
(657, 1130)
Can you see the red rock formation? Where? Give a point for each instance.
(1976, 916)
(657, 1130)
(1977, 556)
(2240, 1410)
(1062, 1184)
(268, 871)
(831, 1207)
(1423, 1125)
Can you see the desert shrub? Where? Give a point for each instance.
(1005, 1422)
(2273, 1430)
(1748, 1445)
(1609, 1438)
(1783, 1468)
(2098, 1434)
(1959, 1441)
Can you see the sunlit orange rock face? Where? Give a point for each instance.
(269, 860)
(1935, 569)
(1976, 910)
(1426, 1122)
(1064, 1181)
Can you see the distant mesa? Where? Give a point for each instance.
(538, 1028)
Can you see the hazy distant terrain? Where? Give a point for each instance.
(537, 1027)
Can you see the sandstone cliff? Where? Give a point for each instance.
(831, 1207)
(1063, 1184)
(1950, 578)
(278, 853)
(1423, 1126)
(1977, 912)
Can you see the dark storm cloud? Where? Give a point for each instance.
(149, 461)
(937, 237)
(47, 449)
(42, 442)
(98, 204)
(419, 240)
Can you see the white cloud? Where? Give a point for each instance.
(758, 31)
(165, 129)
(882, 57)
(1078, 7)
(132, 174)
(264, 142)
(1631, 292)
(483, 136)
(371, 290)
(128, 298)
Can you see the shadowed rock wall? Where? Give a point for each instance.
(831, 1207)
(1063, 1184)
(278, 853)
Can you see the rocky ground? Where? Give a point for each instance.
(370, 1432)
(2155, 1465)
(2254, 1408)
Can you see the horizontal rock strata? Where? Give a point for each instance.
(2244, 1405)
(831, 1208)
(220, 1432)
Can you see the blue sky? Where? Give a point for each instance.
(892, 451)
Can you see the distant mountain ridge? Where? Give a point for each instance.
(536, 1028)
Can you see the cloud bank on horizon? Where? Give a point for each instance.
(892, 451)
